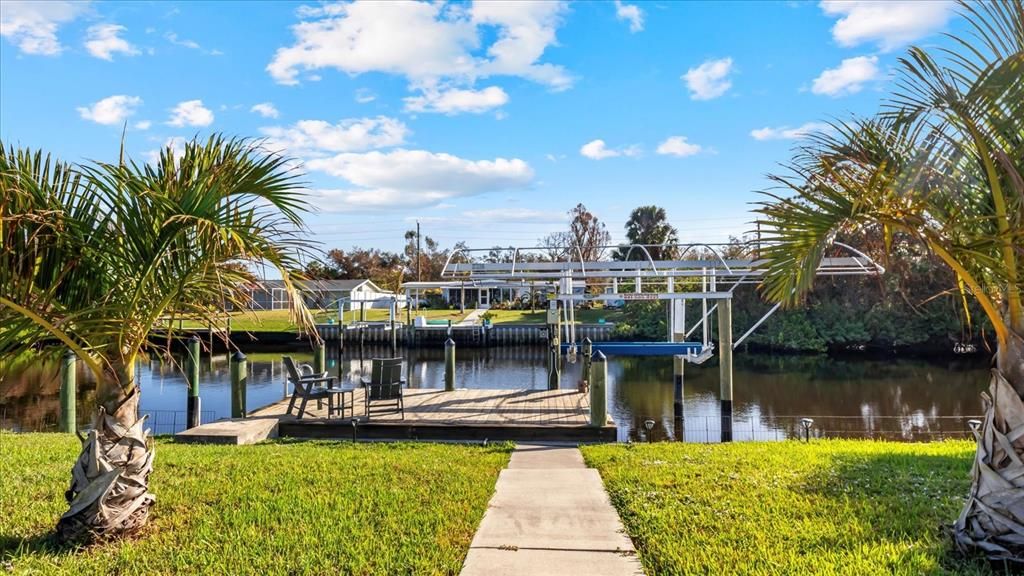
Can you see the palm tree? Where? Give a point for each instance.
(93, 257)
(649, 226)
(942, 165)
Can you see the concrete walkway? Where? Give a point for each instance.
(472, 317)
(551, 515)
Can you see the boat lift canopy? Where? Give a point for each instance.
(706, 277)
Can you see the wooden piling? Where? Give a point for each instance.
(449, 365)
(192, 418)
(725, 365)
(554, 364)
(588, 357)
(678, 364)
(68, 393)
(239, 376)
(598, 391)
(319, 353)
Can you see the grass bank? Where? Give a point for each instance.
(275, 508)
(592, 316)
(830, 507)
(278, 321)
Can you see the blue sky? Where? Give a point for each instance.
(486, 122)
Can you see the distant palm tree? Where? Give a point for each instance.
(96, 256)
(944, 165)
(649, 226)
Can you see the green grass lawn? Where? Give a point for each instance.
(540, 317)
(278, 321)
(830, 507)
(274, 508)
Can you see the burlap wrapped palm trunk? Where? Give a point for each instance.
(109, 494)
(993, 518)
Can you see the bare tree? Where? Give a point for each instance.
(588, 233)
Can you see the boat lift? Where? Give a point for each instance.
(706, 276)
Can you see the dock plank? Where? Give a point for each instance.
(528, 411)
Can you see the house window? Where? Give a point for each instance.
(279, 299)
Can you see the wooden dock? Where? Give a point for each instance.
(430, 414)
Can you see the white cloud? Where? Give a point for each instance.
(310, 138)
(411, 39)
(429, 43)
(403, 178)
(848, 78)
(709, 80)
(32, 26)
(525, 30)
(365, 96)
(598, 150)
(172, 37)
(190, 113)
(102, 41)
(891, 24)
(455, 101)
(142, 125)
(265, 109)
(678, 146)
(631, 13)
(788, 133)
(175, 143)
(111, 110)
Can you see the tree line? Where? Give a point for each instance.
(916, 305)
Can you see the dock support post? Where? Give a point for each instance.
(319, 363)
(192, 408)
(725, 365)
(554, 363)
(678, 364)
(239, 376)
(449, 365)
(598, 391)
(394, 337)
(588, 354)
(68, 393)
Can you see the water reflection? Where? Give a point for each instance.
(908, 398)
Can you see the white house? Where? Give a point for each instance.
(271, 295)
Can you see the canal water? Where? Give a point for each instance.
(900, 398)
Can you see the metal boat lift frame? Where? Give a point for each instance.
(660, 278)
(715, 276)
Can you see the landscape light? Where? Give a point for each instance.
(807, 423)
(649, 425)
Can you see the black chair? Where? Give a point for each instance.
(385, 386)
(305, 387)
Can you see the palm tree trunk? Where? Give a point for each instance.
(109, 494)
(992, 520)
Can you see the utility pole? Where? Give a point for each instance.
(419, 262)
